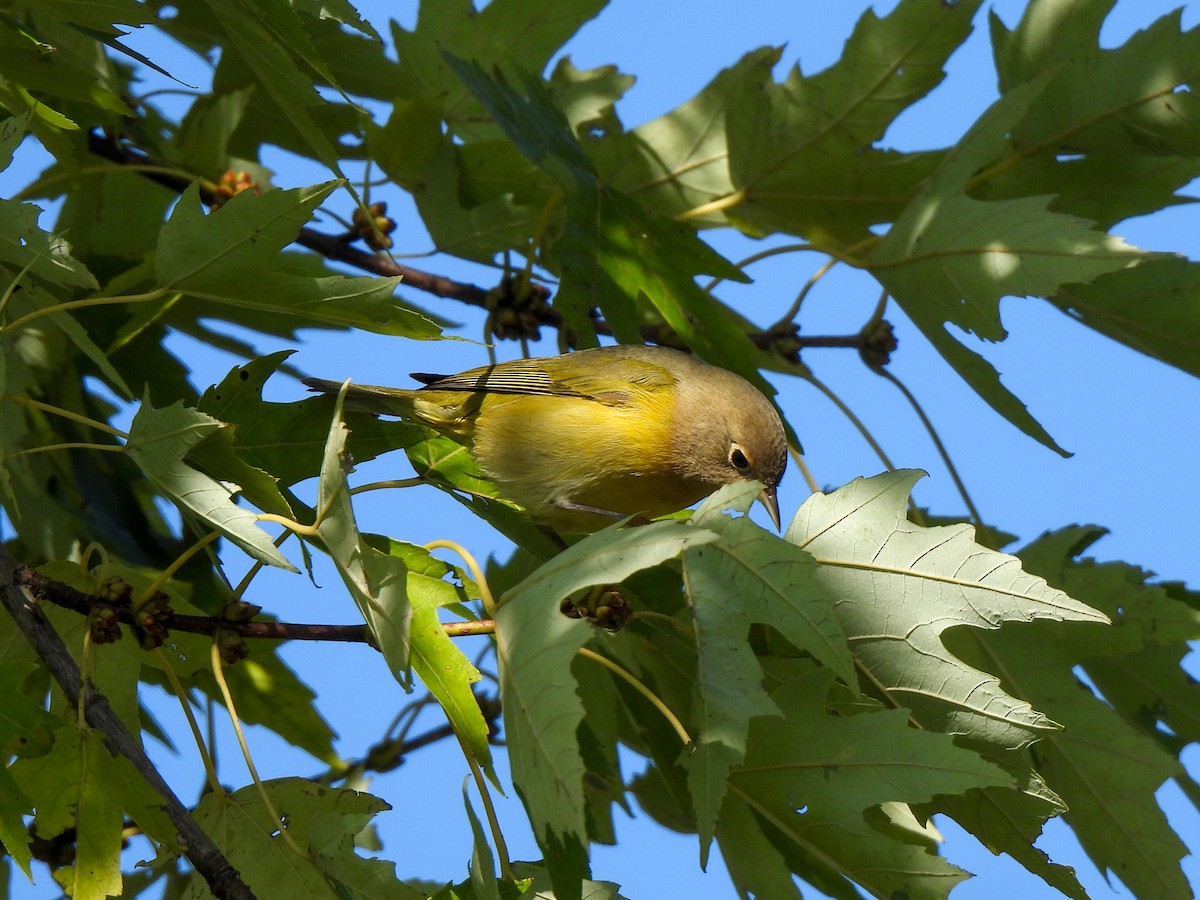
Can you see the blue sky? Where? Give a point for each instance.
(1132, 423)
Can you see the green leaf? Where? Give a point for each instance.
(377, 582)
(1007, 821)
(288, 439)
(98, 821)
(25, 726)
(45, 70)
(810, 776)
(98, 14)
(1132, 99)
(1113, 754)
(14, 835)
(476, 199)
(800, 153)
(230, 256)
(587, 97)
(12, 132)
(532, 121)
(483, 866)
(207, 128)
(1153, 308)
(80, 785)
(270, 39)
(613, 253)
(25, 247)
(34, 296)
(442, 667)
(1103, 769)
(321, 820)
(900, 586)
(450, 465)
(949, 258)
(159, 442)
(746, 576)
(679, 161)
(1105, 188)
(535, 644)
(268, 693)
(487, 36)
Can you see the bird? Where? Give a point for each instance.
(589, 437)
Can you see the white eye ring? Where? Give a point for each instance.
(738, 459)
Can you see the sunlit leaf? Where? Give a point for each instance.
(900, 586)
(535, 644)
(321, 820)
(810, 775)
(159, 442)
(377, 582)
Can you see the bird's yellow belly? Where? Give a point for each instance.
(550, 453)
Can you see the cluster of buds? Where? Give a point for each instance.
(150, 621)
(784, 340)
(231, 183)
(231, 646)
(105, 625)
(516, 309)
(239, 611)
(115, 590)
(374, 225)
(603, 606)
(105, 621)
(878, 343)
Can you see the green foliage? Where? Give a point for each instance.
(811, 701)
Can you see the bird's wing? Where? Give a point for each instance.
(602, 379)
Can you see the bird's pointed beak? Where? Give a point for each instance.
(768, 499)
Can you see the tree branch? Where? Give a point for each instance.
(222, 878)
(64, 595)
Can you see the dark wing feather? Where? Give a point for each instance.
(604, 375)
(523, 376)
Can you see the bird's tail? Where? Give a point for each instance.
(367, 397)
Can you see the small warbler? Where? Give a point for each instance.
(591, 436)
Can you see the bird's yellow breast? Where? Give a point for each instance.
(546, 452)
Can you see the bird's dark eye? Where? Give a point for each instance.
(738, 459)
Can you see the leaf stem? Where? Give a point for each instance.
(816, 276)
(210, 770)
(759, 257)
(165, 575)
(719, 205)
(81, 304)
(641, 688)
(67, 414)
(290, 524)
(937, 442)
(393, 483)
(802, 465)
(218, 667)
(67, 445)
(468, 629)
(854, 420)
(489, 810)
(485, 592)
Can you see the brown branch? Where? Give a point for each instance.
(222, 878)
(64, 595)
(389, 753)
